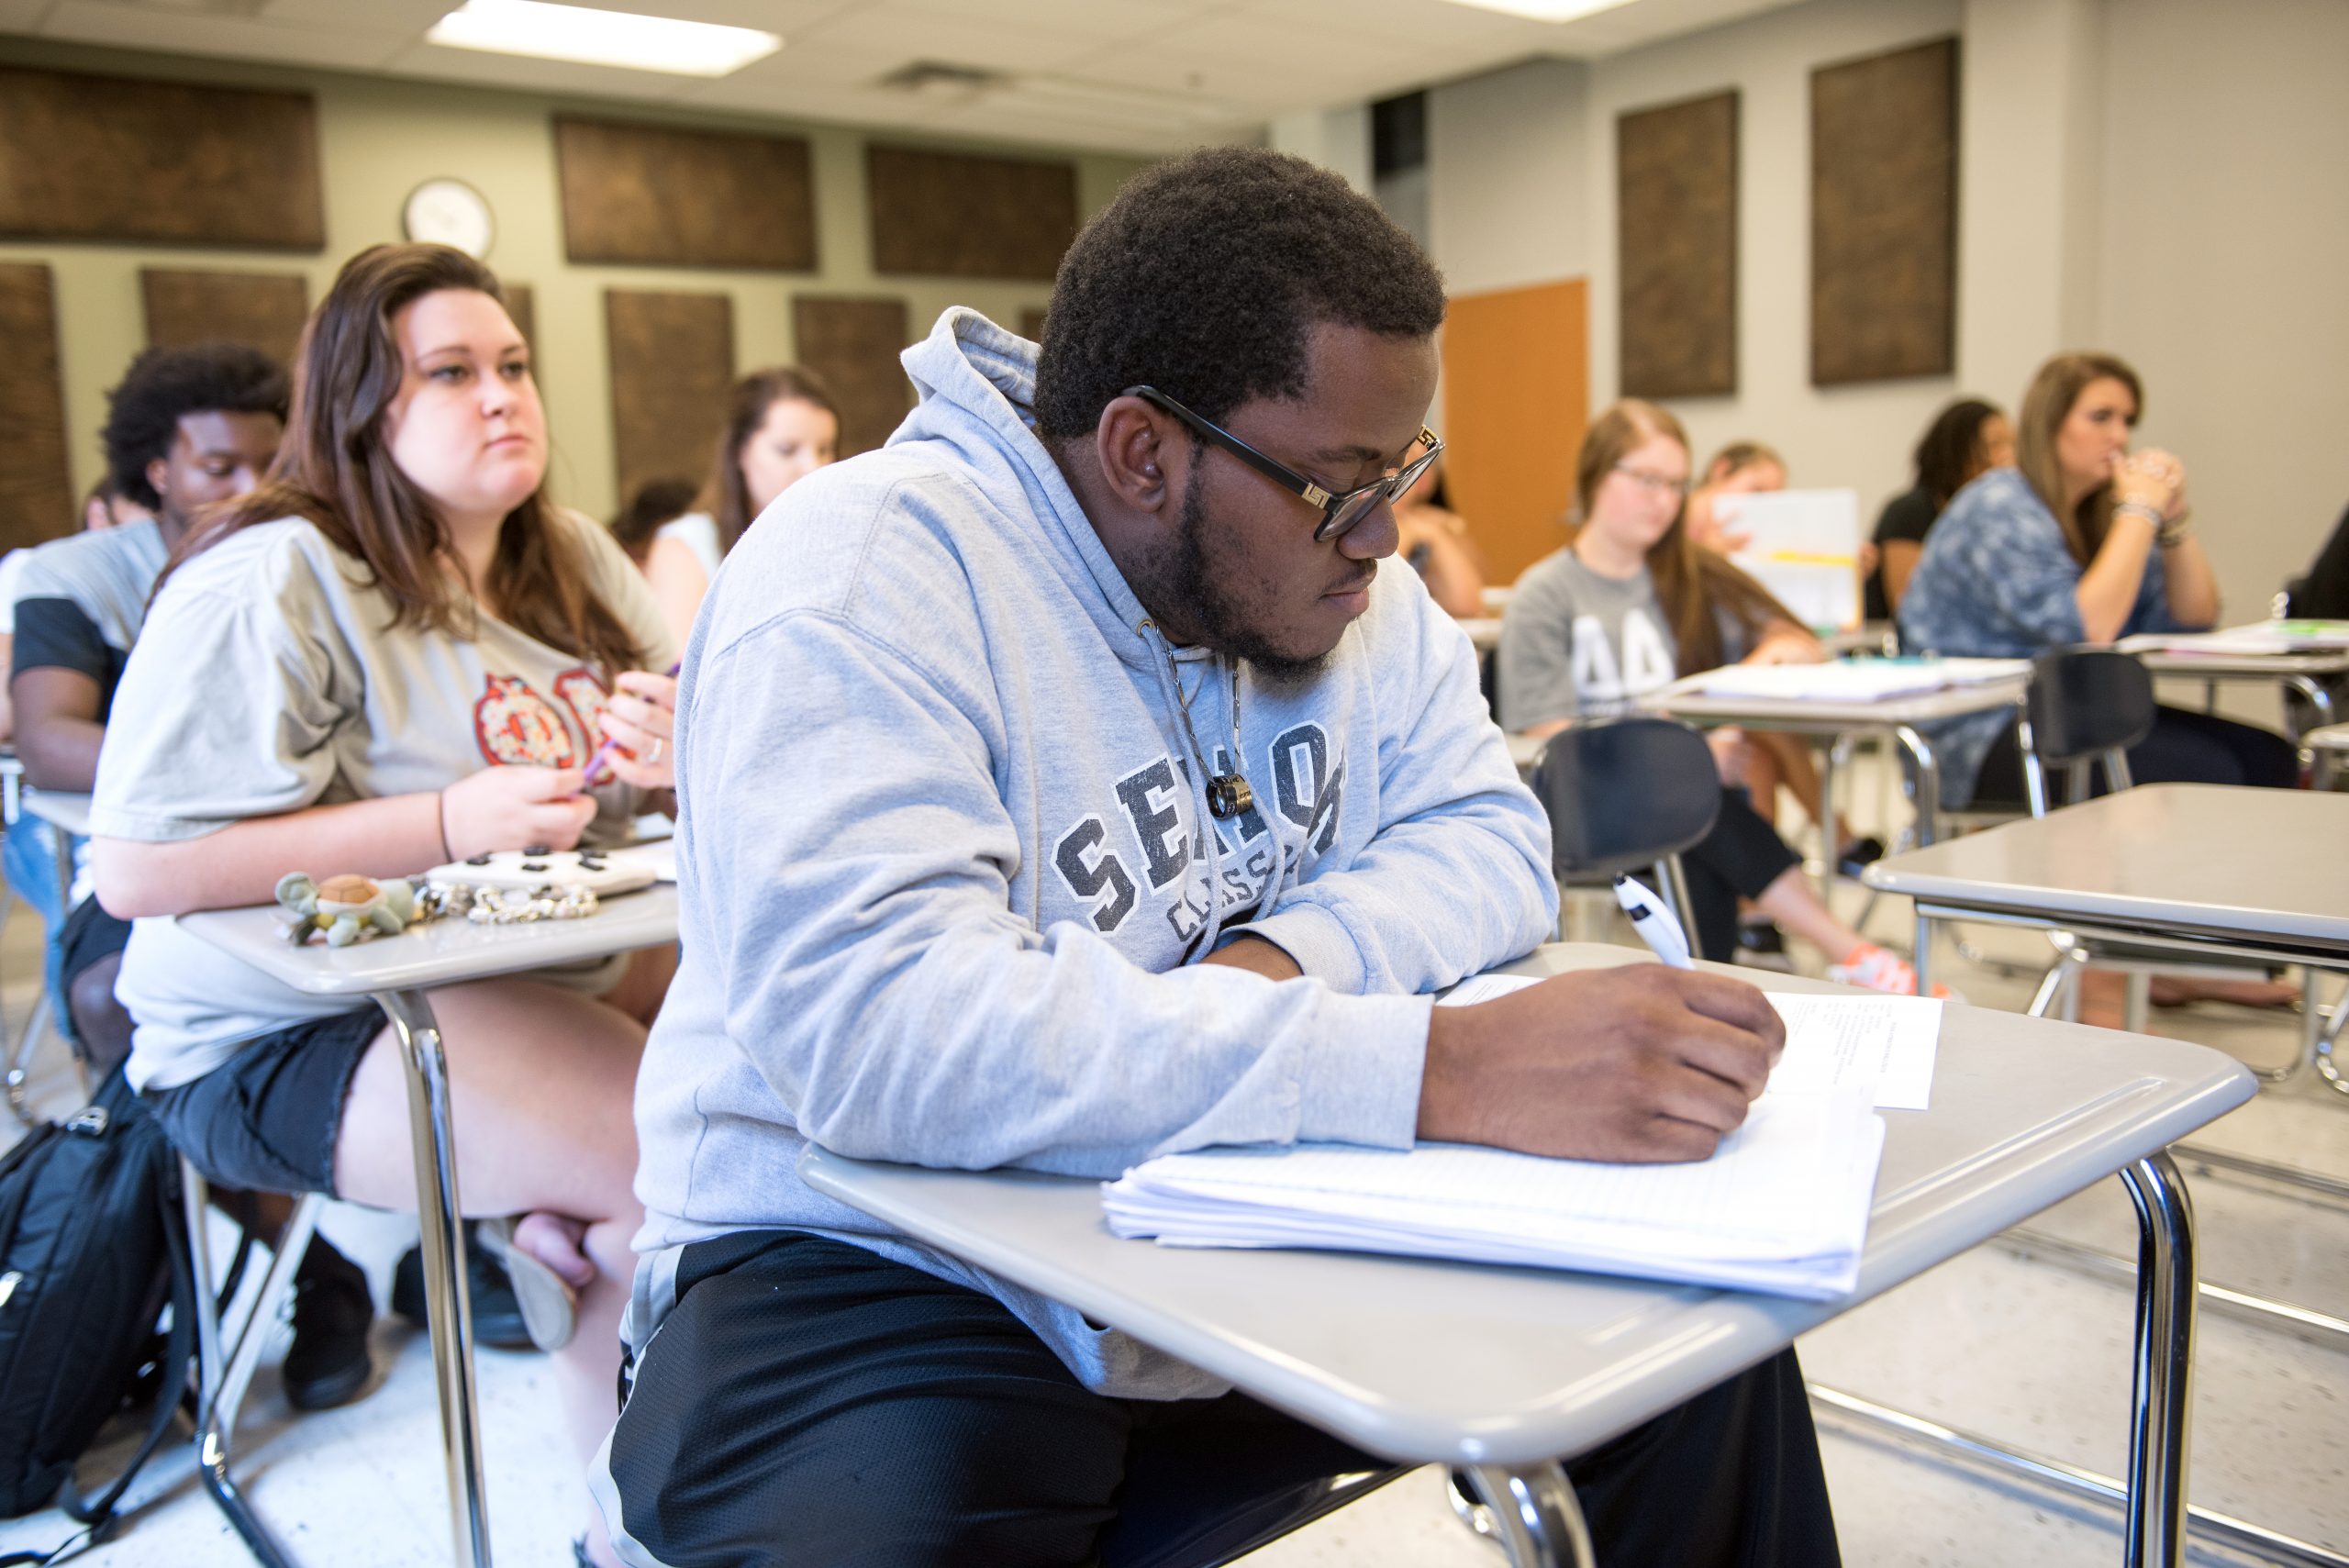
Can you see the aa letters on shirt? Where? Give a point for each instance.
(1144, 849)
(1604, 679)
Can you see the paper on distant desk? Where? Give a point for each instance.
(1851, 679)
(2258, 637)
(659, 857)
(1782, 1206)
(1802, 545)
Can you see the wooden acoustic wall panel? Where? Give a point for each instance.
(672, 373)
(158, 162)
(659, 196)
(1884, 215)
(1516, 399)
(35, 486)
(263, 309)
(1676, 171)
(951, 215)
(523, 308)
(853, 344)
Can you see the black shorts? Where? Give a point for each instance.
(266, 1120)
(90, 934)
(809, 1404)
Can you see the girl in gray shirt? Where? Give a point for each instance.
(395, 652)
(1629, 607)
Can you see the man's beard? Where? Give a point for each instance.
(1182, 580)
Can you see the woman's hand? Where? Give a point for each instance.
(643, 717)
(513, 808)
(1787, 645)
(2151, 478)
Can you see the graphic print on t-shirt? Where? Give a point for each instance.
(1160, 860)
(1607, 679)
(584, 695)
(515, 725)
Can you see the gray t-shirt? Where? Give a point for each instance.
(269, 678)
(1577, 644)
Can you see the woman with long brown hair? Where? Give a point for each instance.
(1629, 604)
(780, 426)
(2083, 541)
(396, 652)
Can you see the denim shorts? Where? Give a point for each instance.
(266, 1120)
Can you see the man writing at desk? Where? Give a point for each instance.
(1063, 784)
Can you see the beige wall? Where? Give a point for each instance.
(380, 139)
(2163, 178)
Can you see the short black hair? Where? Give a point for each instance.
(1204, 277)
(1946, 451)
(162, 384)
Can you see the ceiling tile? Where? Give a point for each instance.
(1074, 18)
(784, 16)
(22, 15)
(180, 32)
(935, 36)
(408, 16)
(1440, 27)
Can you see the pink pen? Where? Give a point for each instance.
(603, 753)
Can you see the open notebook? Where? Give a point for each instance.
(2258, 637)
(1849, 680)
(1782, 1206)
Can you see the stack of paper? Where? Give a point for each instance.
(1849, 680)
(2258, 637)
(1782, 1206)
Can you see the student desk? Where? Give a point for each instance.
(1505, 1370)
(2303, 672)
(396, 972)
(2193, 869)
(1897, 717)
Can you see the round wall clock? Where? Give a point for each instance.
(449, 212)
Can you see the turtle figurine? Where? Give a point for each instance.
(347, 908)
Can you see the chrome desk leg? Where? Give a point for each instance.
(449, 1310)
(2162, 1388)
(1923, 958)
(2331, 1036)
(1830, 851)
(1533, 1515)
(225, 1373)
(2319, 698)
(1928, 782)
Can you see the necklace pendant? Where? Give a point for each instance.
(1229, 795)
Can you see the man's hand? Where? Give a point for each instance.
(1257, 956)
(1637, 1063)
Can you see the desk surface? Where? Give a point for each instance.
(1922, 708)
(2239, 666)
(71, 812)
(1420, 1361)
(2331, 737)
(440, 952)
(2190, 858)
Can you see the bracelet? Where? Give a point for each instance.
(2140, 509)
(2169, 535)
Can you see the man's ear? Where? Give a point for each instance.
(159, 470)
(1137, 447)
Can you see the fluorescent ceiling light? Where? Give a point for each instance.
(1546, 10)
(602, 37)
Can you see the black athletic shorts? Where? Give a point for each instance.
(266, 1120)
(808, 1403)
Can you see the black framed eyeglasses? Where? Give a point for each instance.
(1340, 510)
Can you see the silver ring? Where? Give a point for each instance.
(653, 754)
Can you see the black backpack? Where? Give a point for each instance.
(93, 1247)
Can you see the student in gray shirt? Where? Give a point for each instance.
(1076, 779)
(1627, 607)
(395, 652)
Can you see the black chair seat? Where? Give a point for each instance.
(1202, 1494)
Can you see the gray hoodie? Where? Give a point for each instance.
(943, 876)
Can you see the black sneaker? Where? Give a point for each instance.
(1760, 938)
(328, 1364)
(497, 1316)
(1857, 854)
